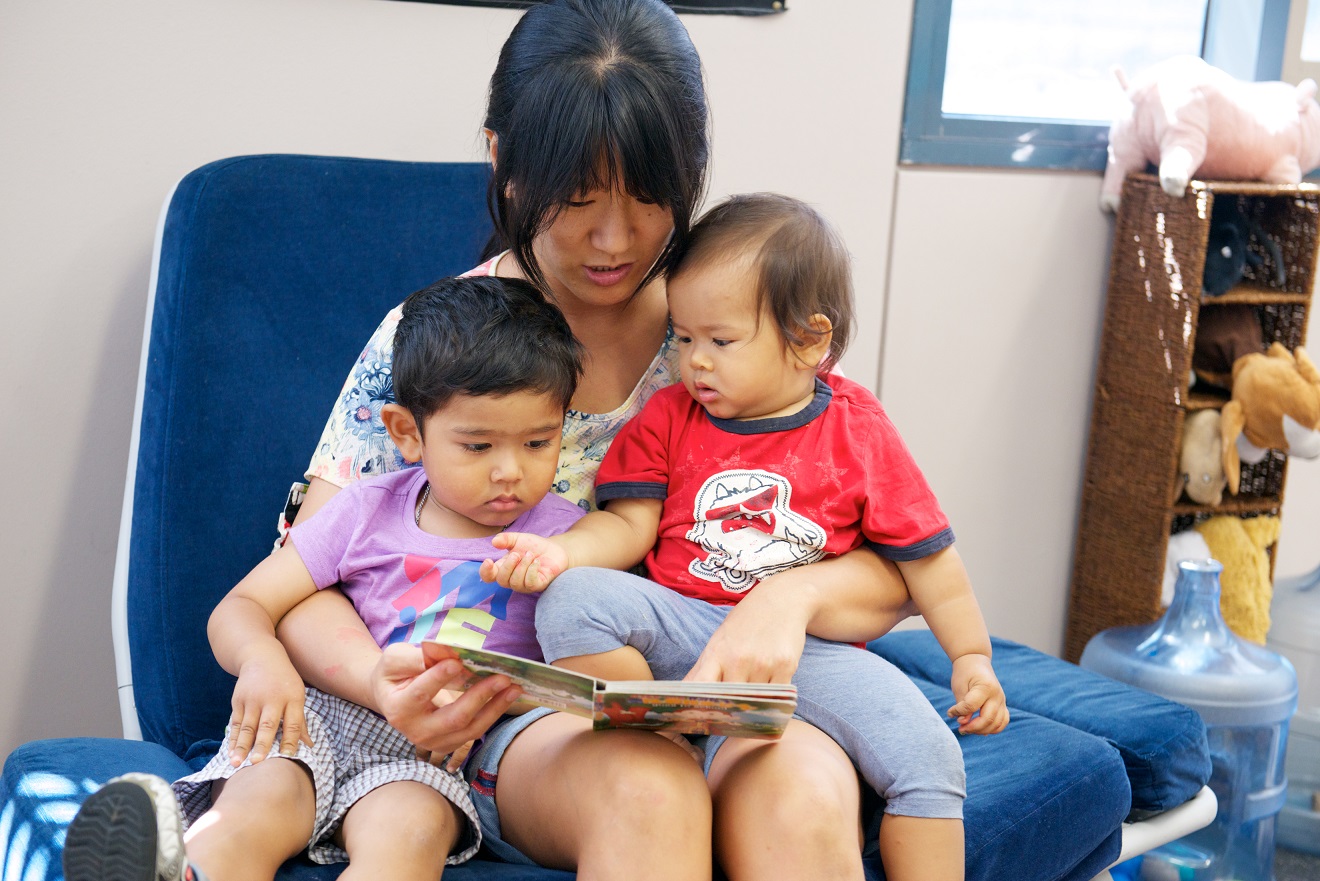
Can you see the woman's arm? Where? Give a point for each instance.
(851, 598)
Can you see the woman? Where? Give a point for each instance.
(597, 128)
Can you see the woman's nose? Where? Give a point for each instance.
(613, 231)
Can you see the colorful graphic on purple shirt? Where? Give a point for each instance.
(408, 585)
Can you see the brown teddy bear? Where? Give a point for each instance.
(1275, 406)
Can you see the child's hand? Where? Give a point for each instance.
(532, 562)
(977, 689)
(268, 697)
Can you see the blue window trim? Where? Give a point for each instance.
(932, 137)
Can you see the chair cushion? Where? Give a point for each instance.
(45, 781)
(1044, 800)
(1162, 743)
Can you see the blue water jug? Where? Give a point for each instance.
(1244, 693)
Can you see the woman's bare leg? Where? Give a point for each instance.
(787, 809)
(610, 804)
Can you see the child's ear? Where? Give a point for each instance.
(816, 338)
(404, 431)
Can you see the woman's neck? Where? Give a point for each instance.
(621, 340)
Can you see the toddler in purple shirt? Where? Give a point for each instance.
(483, 371)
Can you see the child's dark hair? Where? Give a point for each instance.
(801, 264)
(591, 94)
(481, 335)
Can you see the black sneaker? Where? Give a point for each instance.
(128, 830)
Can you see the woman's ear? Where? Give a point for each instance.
(816, 338)
(404, 431)
(492, 144)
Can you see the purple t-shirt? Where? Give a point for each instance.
(409, 585)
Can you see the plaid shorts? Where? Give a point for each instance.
(354, 751)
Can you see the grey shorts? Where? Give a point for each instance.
(354, 751)
(900, 744)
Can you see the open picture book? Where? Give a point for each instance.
(735, 709)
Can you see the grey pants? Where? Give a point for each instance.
(899, 742)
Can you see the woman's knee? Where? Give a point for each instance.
(647, 774)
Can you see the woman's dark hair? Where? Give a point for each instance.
(594, 94)
(481, 335)
(802, 266)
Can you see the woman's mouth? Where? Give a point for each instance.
(607, 276)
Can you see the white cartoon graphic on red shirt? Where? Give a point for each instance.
(743, 519)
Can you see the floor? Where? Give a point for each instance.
(1290, 865)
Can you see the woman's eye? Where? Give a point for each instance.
(578, 203)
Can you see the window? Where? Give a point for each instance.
(1030, 83)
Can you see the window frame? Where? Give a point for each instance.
(932, 137)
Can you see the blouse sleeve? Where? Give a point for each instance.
(354, 442)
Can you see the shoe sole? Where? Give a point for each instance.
(113, 836)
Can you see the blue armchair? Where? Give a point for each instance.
(270, 273)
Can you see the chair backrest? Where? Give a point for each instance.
(271, 273)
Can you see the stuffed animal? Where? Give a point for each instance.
(1275, 406)
(1201, 459)
(1224, 333)
(1190, 118)
(1241, 545)
(1228, 252)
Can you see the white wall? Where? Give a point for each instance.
(995, 284)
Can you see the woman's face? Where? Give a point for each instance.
(600, 247)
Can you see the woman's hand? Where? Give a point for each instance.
(853, 598)
(413, 699)
(761, 640)
(268, 697)
(532, 562)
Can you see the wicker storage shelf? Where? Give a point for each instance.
(1131, 497)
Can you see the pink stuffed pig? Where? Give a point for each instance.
(1194, 119)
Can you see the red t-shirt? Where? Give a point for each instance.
(746, 499)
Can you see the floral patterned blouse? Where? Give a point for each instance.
(355, 444)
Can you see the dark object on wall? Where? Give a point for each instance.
(710, 7)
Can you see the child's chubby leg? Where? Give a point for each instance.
(616, 625)
(403, 829)
(921, 848)
(607, 804)
(903, 749)
(259, 817)
(786, 809)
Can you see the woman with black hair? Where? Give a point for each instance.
(598, 136)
